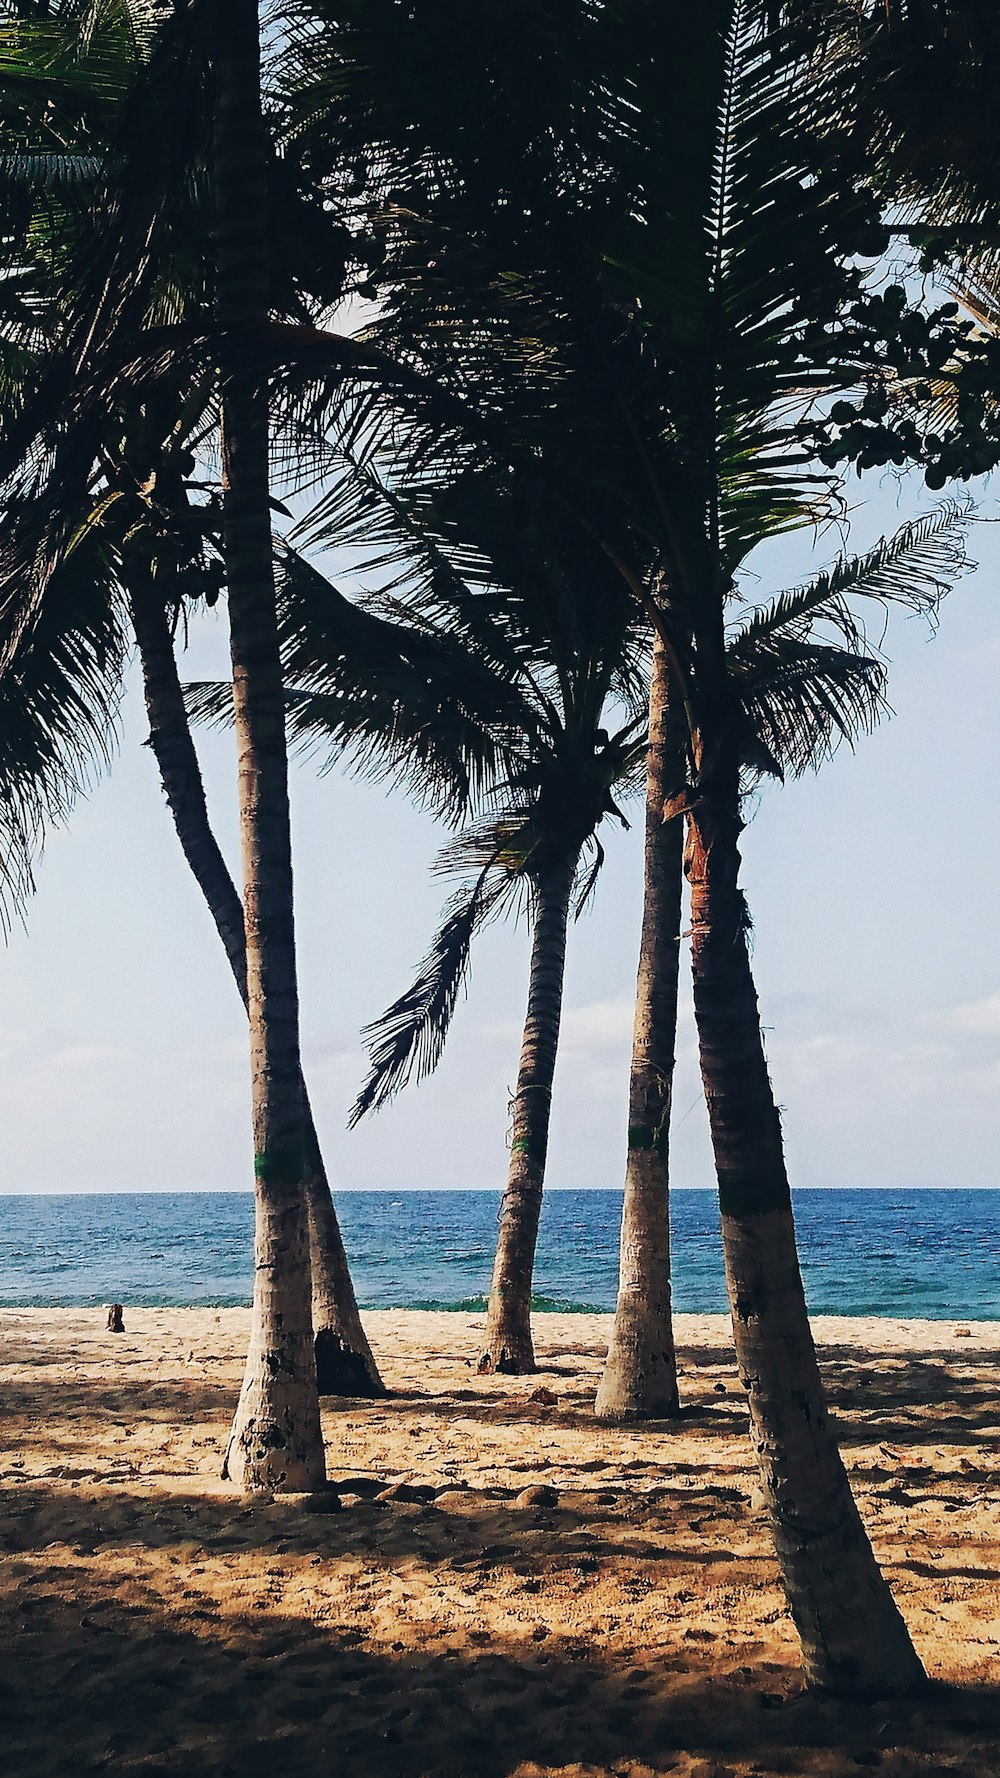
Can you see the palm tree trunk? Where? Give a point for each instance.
(276, 1439)
(640, 1377)
(509, 1345)
(344, 1362)
(853, 1638)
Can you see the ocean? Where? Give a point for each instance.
(933, 1254)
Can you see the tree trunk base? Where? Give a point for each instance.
(640, 1376)
(267, 1453)
(508, 1358)
(276, 1442)
(629, 1406)
(342, 1371)
(505, 1364)
(855, 1643)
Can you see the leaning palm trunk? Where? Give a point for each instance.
(276, 1439)
(344, 1362)
(853, 1638)
(509, 1345)
(640, 1377)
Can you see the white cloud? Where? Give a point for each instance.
(26, 1053)
(977, 1018)
(604, 1024)
(831, 1053)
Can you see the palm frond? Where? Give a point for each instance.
(912, 570)
(41, 170)
(408, 1039)
(800, 691)
(585, 891)
(394, 701)
(800, 699)
(60, 690)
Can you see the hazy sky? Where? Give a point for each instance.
(876, 949)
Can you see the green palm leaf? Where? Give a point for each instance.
(407, 1040)
(913, 569)
(59, 702)
(801, 690)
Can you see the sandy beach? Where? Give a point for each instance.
(626, 1620)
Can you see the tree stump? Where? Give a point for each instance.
(115, 1322)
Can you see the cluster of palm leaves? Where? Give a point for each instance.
(544, 317)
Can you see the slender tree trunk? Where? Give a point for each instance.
(509, 1345)
(853, 1638)
(640, 1377)
(344, 1361)
(276, 1439)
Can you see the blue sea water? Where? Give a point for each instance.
(933, 1254)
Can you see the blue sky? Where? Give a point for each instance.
(873, 889)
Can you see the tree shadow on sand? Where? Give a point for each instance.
(469, 1528)
(135, 1692)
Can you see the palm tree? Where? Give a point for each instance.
(142, 530)
(276, 1439)
(852, 1633)
(548, 645)
(622, 250)
(523, 284)
(805, 681)
(344, 1362)
(137, 549)
(549, 817)
(639, 1381)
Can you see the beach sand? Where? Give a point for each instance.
(154, 1623)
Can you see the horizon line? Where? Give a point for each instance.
(238, 1191)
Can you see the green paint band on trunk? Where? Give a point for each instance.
(526, 1145)
(280, 1166)
(641, 1136)
(741, 1194)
